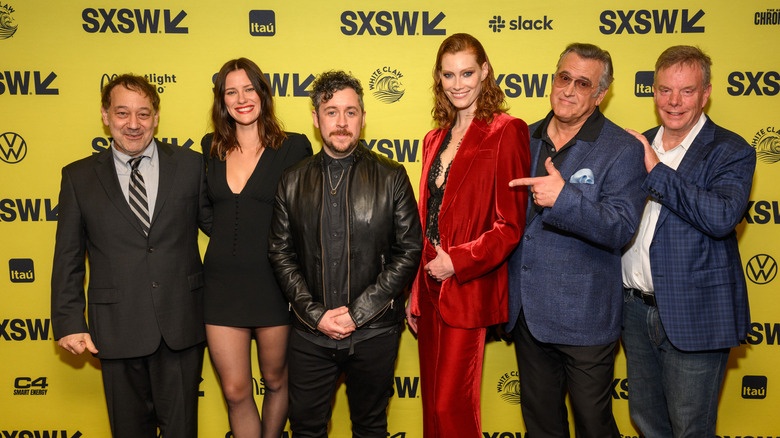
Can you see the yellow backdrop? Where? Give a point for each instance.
(56, 55)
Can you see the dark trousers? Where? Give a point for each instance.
(547, 371)
(159, 390)
(314, 372)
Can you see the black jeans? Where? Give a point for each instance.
(314, 372)
(548, 371)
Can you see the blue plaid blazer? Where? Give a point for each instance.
(697, 273)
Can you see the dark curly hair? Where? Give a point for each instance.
(490, 100)
(330, 82)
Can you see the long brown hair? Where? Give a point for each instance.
(268, 127)
(490, 100)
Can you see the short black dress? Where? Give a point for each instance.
(240, 289)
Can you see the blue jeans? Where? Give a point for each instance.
(671, 393)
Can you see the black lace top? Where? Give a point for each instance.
(436, 193)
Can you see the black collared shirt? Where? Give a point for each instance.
(589, 132)
(335, 246)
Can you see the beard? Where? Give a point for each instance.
(339, 151)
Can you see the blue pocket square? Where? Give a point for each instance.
(582, 176)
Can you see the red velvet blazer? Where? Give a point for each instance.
(481, 218)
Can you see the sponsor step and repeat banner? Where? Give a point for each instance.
(57, 55)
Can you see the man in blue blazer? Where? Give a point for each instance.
(685, 294)
(565, 292)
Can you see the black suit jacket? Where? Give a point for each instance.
(141, 289)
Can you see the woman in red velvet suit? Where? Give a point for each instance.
(472, 220)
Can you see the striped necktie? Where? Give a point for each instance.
(138, 201)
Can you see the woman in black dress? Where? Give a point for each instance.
(246, 155)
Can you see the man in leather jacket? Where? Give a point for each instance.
(345, 242)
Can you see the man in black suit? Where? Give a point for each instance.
(133, 211)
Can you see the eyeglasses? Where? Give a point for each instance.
(582, 86)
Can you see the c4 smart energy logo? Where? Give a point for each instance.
(385, 84)
(7, 26)
(761, 269)
(766, 142)
(262, 23)
(13, 148)
(754, 387)
(21, 270)
(508, 387)
(30, 386)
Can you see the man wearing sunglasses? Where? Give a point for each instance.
(565, 302)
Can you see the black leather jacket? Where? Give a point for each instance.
(384, 239)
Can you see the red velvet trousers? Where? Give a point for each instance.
(450, 368)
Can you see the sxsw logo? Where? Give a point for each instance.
(761, 269)
(406, 387)
(18, 83)
(21, 270)
(262, 23)
(762, 212)
(644, 84)
(99, 144)
(758, 83)
(754, 387)
(403, 151)
(767, 332)
(497, 23)
(504, 435)
(620, 389)
(281, 84)
(27, 210)
(22, 329)
(656, 21)
(387, 23)
(39, 433)
(13, 148)
(129, 21)
(530, 85)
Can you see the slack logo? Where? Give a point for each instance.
(262, 23)
(754, 387)
(21, 270)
